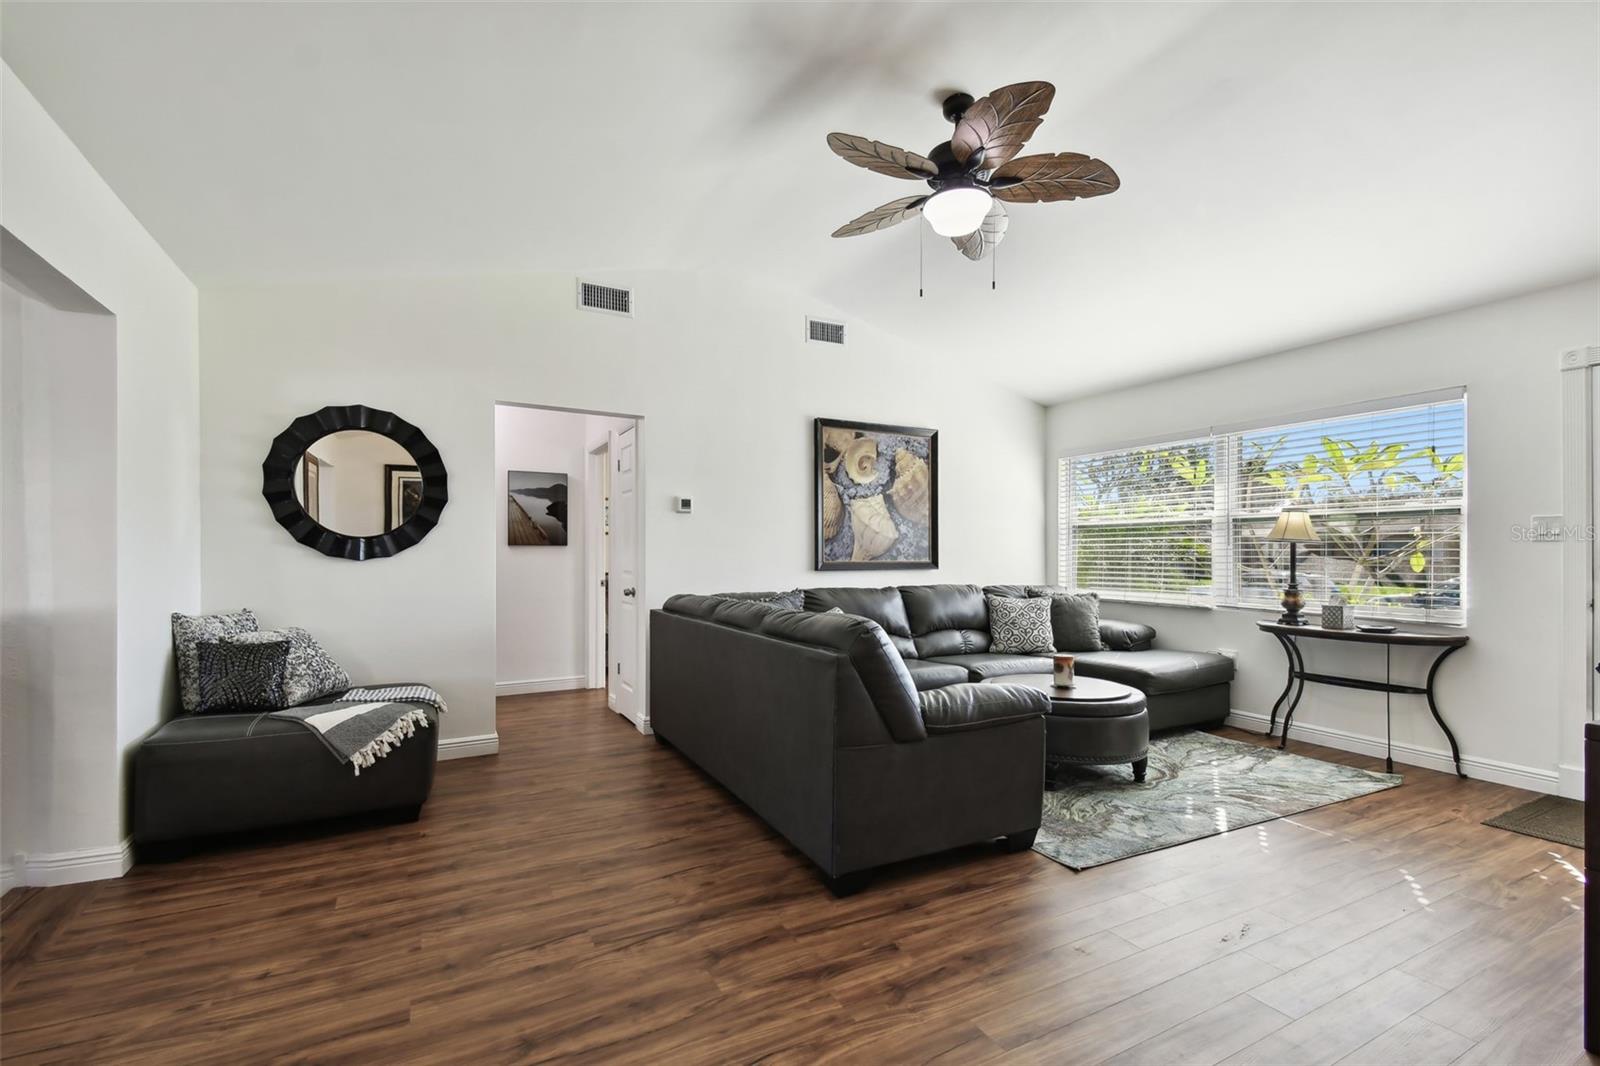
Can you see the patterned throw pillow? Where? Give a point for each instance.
(310, 673)
(793, 600)
(236, 675)
(187, 631)
(1075, 619)
(1020, 627)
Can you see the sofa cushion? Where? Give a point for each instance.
(986, 664)
(928, 675)
(881, 669)
(1126, 636)
(1158, 670)
(693, 604)
(883, 606)
(309, 672)
(1015, 592)
(187, 631)
(956, 708)
(791, 600)
(1020, 626)
(743, 614)
(1075, 622)
(236, 676)
(947, 619)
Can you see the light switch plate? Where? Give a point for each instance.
(1544, 527)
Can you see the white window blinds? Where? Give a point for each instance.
(1141, 521)
(1186, 522)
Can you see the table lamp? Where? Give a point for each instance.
(1293, 527)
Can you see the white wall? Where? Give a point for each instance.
(541, 606)
(727, 388)
(53, 201)
(58, 588)
(1499, 694)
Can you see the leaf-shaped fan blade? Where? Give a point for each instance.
(890, 214)
(1040, 179)
(1001, 122)
(881, 158)
(981, 241)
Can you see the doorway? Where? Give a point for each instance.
(569, 534)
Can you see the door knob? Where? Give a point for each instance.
(629, 592)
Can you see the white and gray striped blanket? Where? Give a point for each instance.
(362, 725)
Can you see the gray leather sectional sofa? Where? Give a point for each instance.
(862, 736)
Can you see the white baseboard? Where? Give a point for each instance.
(548, 684)
(1571, 781)
(1504, 773)
(469, 747)
(75, 867)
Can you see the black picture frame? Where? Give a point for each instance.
(818, 474)
(389, 481)
(277, 481)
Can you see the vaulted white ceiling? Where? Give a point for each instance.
(1290, 171)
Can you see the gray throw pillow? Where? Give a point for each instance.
(241, 676)
(1075, 621)
(309, 673)
(187, 631)
(1019, 627)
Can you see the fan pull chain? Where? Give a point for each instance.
(920, 237)
(994, 266)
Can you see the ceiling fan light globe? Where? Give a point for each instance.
(957, 212)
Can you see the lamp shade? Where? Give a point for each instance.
(1294, 526)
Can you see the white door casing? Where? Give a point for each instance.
(624, 593)
(1580, 474)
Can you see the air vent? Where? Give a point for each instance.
(607, 298)
(820, 329)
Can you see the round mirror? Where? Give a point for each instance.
(355, 482)
(358, 483)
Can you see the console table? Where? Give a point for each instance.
(1290, 636)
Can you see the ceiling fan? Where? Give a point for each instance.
(976, 169)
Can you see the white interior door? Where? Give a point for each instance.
(623, 593)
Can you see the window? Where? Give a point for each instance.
(1186, 522)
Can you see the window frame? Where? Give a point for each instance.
(1225, 591)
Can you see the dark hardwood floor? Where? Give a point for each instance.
(588, 894)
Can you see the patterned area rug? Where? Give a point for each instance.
(1198, 785)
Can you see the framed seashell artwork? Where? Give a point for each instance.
(877, 496)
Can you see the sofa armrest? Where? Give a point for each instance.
(958, 708)
(1126, 636)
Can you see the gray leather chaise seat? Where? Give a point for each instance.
(863, 736)
(206, 774)
(812, 720)
(942, 632)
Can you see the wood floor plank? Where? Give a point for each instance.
(1206, 1038)
(1342, 1025)
(589, 895)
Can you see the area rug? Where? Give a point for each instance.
(1551, 818)
(1197, 785)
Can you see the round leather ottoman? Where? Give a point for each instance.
(1094, 723)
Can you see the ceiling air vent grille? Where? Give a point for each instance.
(607, 298)
(823, 331)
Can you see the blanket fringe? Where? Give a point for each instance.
(389, 739)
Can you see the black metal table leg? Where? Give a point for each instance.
(1297, 670)
(1272, 720)
(1388, 716)
(1455, 749)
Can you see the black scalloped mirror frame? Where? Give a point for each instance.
(287, 447)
